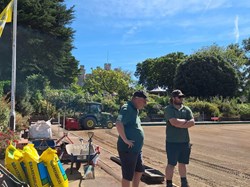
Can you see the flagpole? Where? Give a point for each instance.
(13, 78)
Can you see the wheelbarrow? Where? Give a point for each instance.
(84, 153)
(61, 147)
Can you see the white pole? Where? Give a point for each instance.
(13, 79)
(58, 118)
(64, 118)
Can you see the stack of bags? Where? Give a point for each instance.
(37, 171)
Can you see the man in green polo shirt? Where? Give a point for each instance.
(178, 118)
(130, 140)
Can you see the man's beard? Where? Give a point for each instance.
(178, 103)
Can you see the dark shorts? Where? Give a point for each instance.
(178, 152)
(131, 162)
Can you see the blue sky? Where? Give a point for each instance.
(126, 32)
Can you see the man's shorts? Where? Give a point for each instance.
(178, 152)
(131, 162)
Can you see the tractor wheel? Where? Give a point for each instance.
(89, 123)
(110, 124)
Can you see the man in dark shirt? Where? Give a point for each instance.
(130, 140)
(178, 118)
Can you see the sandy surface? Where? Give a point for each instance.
(220, 153)
(220, 156)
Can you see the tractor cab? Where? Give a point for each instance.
(92, 116)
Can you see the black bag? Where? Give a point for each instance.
(7, 179)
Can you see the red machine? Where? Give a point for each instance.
(72, 124)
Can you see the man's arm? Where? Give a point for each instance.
(181, 123)
(120, 129)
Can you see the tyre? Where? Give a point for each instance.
(89, 123)
(110, 124)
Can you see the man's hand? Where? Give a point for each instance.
(189, 124)
(130, 143)
(120, 129)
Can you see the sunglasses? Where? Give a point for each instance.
(180, 97)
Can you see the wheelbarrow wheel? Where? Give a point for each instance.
(78, 165)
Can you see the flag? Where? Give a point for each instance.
(6, 16)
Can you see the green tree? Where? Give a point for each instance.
(144, 72)
(236, 56)
(30, 95)
(112, 82)
(65, 100)
(166, 68)
(207, 73)
(44, 42)
(159, 71)
(23, 100)
(246, 47)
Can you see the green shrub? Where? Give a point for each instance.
(153, 108)
(162, 100)
(3, 86)
(47, 109)
(244, 111)
(197, 116)
(144, 116)
(227, 107)
(4, 114)
(21, 122)
(110, 106)
(228, 110)
(203, 107)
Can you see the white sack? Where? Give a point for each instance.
(40, 130)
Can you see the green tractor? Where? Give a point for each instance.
(92, 116)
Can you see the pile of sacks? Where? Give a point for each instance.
(37, 171)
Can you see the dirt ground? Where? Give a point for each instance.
(220, 156)
(220, 153)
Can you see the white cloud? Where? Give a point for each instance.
(236, 29)
(130, 32)
(147, 8)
